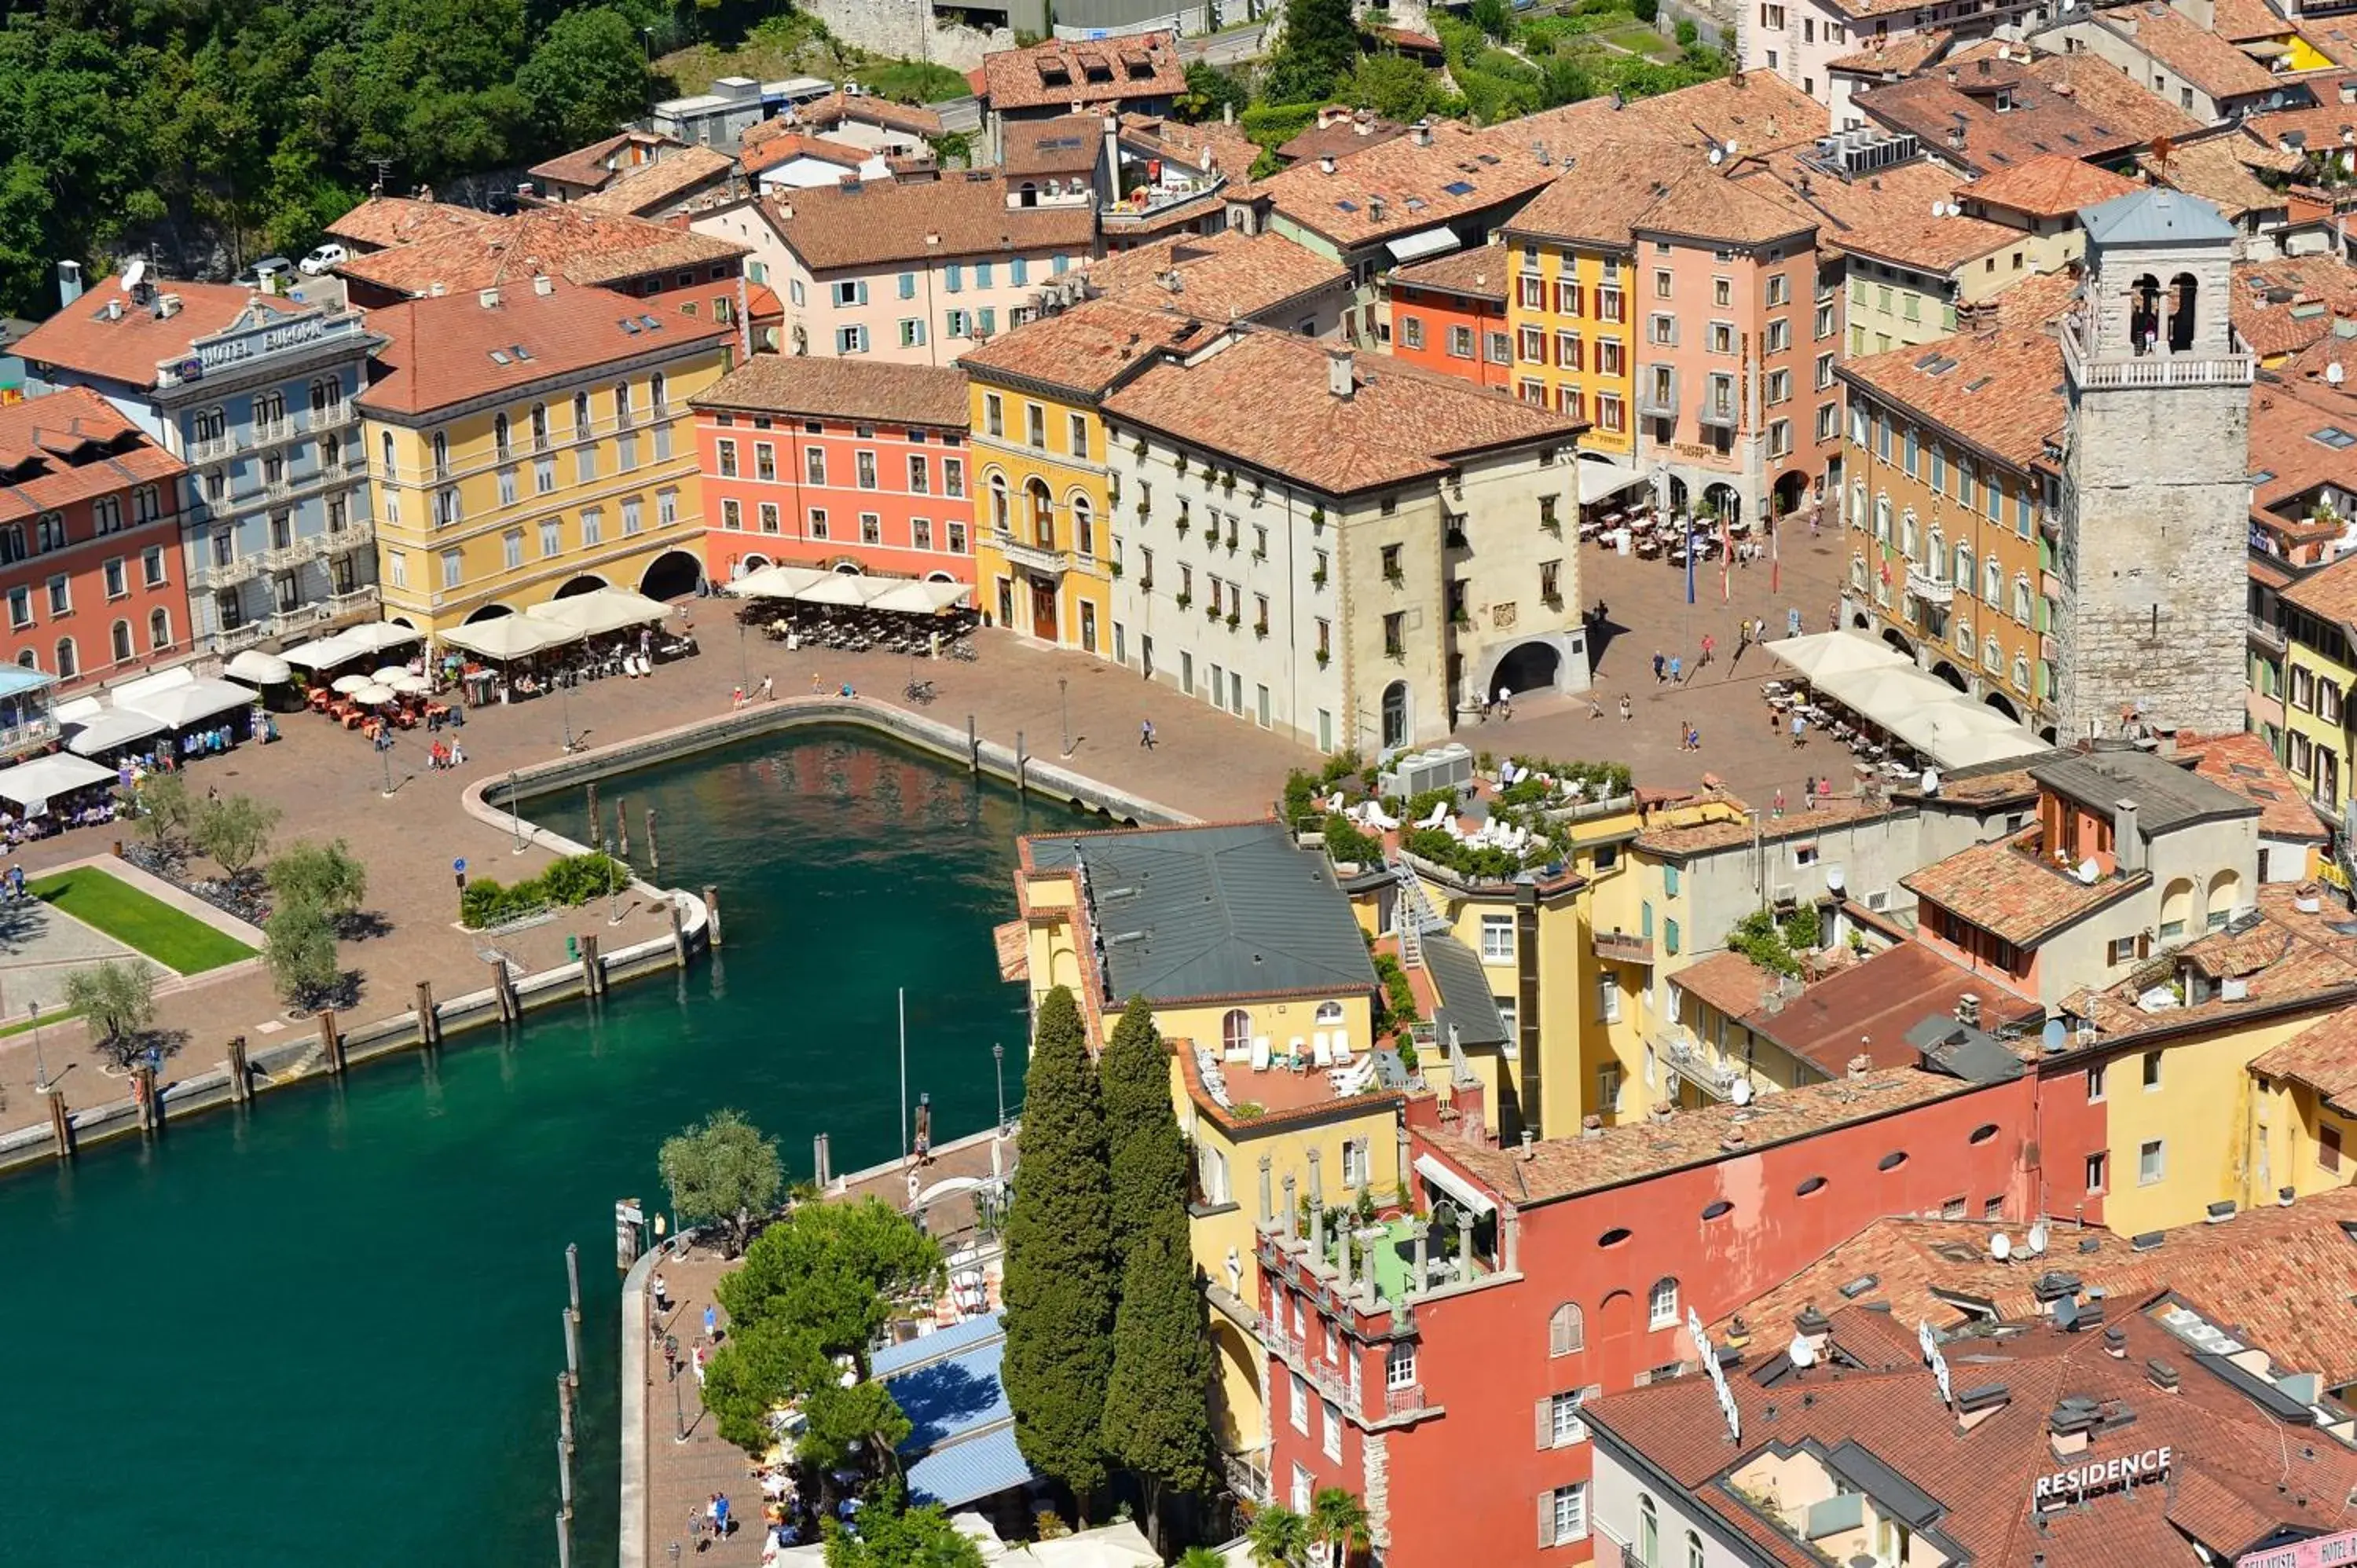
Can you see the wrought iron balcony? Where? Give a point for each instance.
(1041, 558)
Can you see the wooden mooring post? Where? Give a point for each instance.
(503, 988)
(429, 1021)
(60, 1124)
(712, 910)
(654, 854)
(622, 827)
(143, 1096)
(1022, 762)
(240, 1077)
(593, 973)
(331, 1041)
(596, 831)
(678, 934)
(972, 745)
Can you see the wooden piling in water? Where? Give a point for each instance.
(654, 855)
(240, 1079)
(503, 988)
(143, 1095)
(429, 1022)
(332, 1040)
(622, 827)
(678, 935)
(60, 1124)
(593, 973)
(972, 745)
(596, 828)
(712, 910)
(1022, 761)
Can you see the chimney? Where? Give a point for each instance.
(1421, 133)
(1860, 1065)
(114, 309)
(2116, 1343)
(167, 306)
(1340, 382)
(786, 211)
(523, 189)
(2068, 1426)
(1529, 1139)
(1815, 1327)
(542, 285)
(1968, 1010)
(2163, 1375)
(69, 283)
(1591, 1126)
(2284, 1195)
(488, 298)
(1663, 1110)
(1375, 209)
(2219, 1212)
(1975, 1405)
(2127, 843)
(1326, 164)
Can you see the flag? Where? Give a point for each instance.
(1690, 591)
(1776, 556)
(1725, 561)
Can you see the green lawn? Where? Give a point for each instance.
(1640, 39)
(177, 941)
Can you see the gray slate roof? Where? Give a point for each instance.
(1233, 911)
(2166, 796)
(1466, 1001)
(2153, 217)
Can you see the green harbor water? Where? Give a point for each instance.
(328, 1330)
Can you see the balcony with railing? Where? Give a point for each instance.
(2161, 368)
(1402, 1399)
(1691, 1060)
(2270, 634)
(1719, 408)
(1927, 586)
(208, 448)
(1146, 201)
(1044, 559)
(226, 574)
(1623, 946)
(1657, 393)
(266, 431)
(1244, 1479)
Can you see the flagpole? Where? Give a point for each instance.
(904, 1072)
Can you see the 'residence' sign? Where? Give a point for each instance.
(2101, 1476)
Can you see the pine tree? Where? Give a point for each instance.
(1156, 1417)
(1059, 1286)
(1143, 1144)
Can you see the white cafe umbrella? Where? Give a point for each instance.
(391, 672)
(371, 695)
(411, 685)
(350, 685)
(259, 668)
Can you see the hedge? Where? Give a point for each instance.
(575, 879)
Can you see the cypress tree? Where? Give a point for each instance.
(1157, 1416)
(1058, 1286)
(1142, 1139)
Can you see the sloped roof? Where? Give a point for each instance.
(2155, 217)
(565, 240)
(875, 390)
(1466, 999)
(1476, 273)
(2040, 121)
(1084, 351)
(439, 349)
(839, 108)
(2201, 56)
(2245, 764)
(877, 223)
(646, 191)
(386, 221)
(1227, 276)
(70, 446)
(1216, 911)
(2000, 391)
(2049, 186)
(2282, 305)
(1610, 193)
(2011, 892)
(2168, 796)
(81, 338)
(1069, 144)
(776, 150)
(1097, 70)
(1888, 215)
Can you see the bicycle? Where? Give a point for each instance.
(918, 691)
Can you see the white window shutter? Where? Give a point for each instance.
(1546, 1421)
(1546, 1518)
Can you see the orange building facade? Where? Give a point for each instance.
(837, 464)
(1450, 315)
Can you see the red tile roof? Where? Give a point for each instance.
(2014, 893)
(871, 391)
(1867, 1008)
(1476, 273)
(2050, 186)
(1066, 72)
(2000, 391)
(1085, 351)
(1344, 131)
(2196, 53)
(2225, 171)
(1262, 399)
(2245, 764)
(599, 161)
(1895, 58)
(440, 350)
(1069, 144)
(2239, 1474)
(839, 108)
(880, 223)
(2281, 306)
(655, 188)
(2041, 120)
(386, 221)
(1227, 276)
(583, 247)
(2323, 1056)
(1610, 193)
(1887, 216)
(81, 338)
(784, 148)
(71, 447)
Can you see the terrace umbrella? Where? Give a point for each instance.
(371, 695)
(259, 668)
(386, 676)
(844, 589)
(410, 685)
(350, 685)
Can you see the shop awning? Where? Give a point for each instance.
(1430, 242)
(1827, 653)
(377, 636)
(1455, 1185)
(921, 598)
(258, 668)
(188, 702)
(509, 636)
(110, 728)
(34, 784)
(324, 653)
(601, 610)
(774, 582)
(1598, 480)
(844, 588)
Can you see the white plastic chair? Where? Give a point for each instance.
(1321, 1051)
(1259, 1053)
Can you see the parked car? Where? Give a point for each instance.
(320, 260)
(260, 273)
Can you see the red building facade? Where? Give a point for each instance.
(836, 463)
(1450, 315)
(91, 585)
(1453, 1411)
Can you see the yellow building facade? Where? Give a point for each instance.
(1042, 538)
(1569, 311)
(533, 442)
(2320, 679)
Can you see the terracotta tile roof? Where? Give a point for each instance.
(2222, 171)
(2049, 186)
(1899, 57)
(1064, 71)
(439, 350)
(2241, 21)
(2280, 966)
(2041, 120)
(2323, 1056)
(2011, 892)
(1728, 981)
(1227, 276)
(1069, 144)
(1702, 838)
(561, 240)
(778, 149)
(2108, 94)
(2036, 303)
(1212, 146)
(2275, 1276)
(1464, 170)
(877, 223)
(1612, 192)
(1983, 784)
(2281, 306)
(648, 191)
(2198, 55)
(870, 391)
(2000, 391)
(599, 161)
(80, 337)
(1555, 1168)
(2331, 593)
(1867, 1008)
(2318, 125)
(1342, 134)
(1085, 351)
(2230, 1454)
(1262, 399)
(70, 446)
(1887, 216)
(386, 221)
(1476, 273)
(839, 108)
(2246, 765)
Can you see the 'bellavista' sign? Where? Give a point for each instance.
(2101, 1476)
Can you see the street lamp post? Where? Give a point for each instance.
(564, 706)
(998, 1069)
(1064, 703)
(40, 1067)
(515, 814)
(385, 751)
(744, 663)
(613, 899)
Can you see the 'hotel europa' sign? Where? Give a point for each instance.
(215, 353)
(2322, 1551)
(2066, 1486)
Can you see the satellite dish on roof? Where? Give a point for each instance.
(2000, 1246)
(2089, 871)
(1717, 155)
(136, 273)
(1800, 1352)
(1938, 208)
(1741, 1091)
(2037, 1239)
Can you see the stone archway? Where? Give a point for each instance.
(587, 583)
(489, 612)
(1952, 675)
(1791, 493)
(1891, 635)
(1242, 1413)
(2003, 704)
(1529, 666)
(672, 574)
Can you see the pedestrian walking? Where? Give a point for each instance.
(1798, 739)
(720, 1514)
(817, 685)
(1780, 800)
(1694, 738)
(1628, 709)
(1505, 704)
(1658, 665)
(1677, 674)
(457, 754)
(671, 1357)
(768, 689)
(1145, 734)
(662, 1294)
(711, 1321)
(1710, 646)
